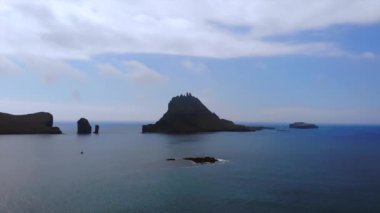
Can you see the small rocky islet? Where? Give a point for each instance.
(96, 129)
(202, 160)
(303, 125)
(198, 160)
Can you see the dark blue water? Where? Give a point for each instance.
(332, 169)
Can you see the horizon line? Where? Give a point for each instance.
(236, 122)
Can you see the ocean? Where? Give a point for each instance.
(330, 169)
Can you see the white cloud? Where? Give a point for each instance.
(364, 55)
(109, 70)
(50, 69)
(133, 71)
(194, 67)
(140, 73)
(9, 66)
(369, 55)
(81, 29)
(75, 95)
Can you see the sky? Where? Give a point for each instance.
(247, 61)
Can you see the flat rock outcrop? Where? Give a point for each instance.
(84, 126)
(187, 114)
(198, 160)
(36, 123)
(202, 160)
(302, 125)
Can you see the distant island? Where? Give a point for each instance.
(303, 125)
(187, 114)
(36, 123)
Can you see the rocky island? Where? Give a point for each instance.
(198, 160)
(36, 123)
(187, 114)
(83, 127)
(202, 160)
(303, 125)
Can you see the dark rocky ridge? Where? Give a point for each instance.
(36, 123)
(303, 125)
(84, 126)
(187, 114)
(202, 160)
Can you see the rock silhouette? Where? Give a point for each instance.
(96, 129)
(303, 125)
(36, 123)
(84, 126)
(187, 114)
(202, 160)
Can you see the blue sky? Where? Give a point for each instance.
(262, 61)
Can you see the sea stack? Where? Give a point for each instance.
(303, 125)
(96, 129)
(187, 114)
(84, 126)
(36, 123)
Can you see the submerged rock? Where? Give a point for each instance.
(84, 126)
(187, 114)
(36, 123)
(202, 160)
(303, 125)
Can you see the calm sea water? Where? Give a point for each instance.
(332, 169)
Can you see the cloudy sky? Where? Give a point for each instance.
(255, 61)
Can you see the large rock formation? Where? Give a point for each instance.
(302, 125)
(84, 126)
(37, 123)
(187, 114)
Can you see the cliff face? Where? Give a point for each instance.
(187, 114)
(37, 123)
